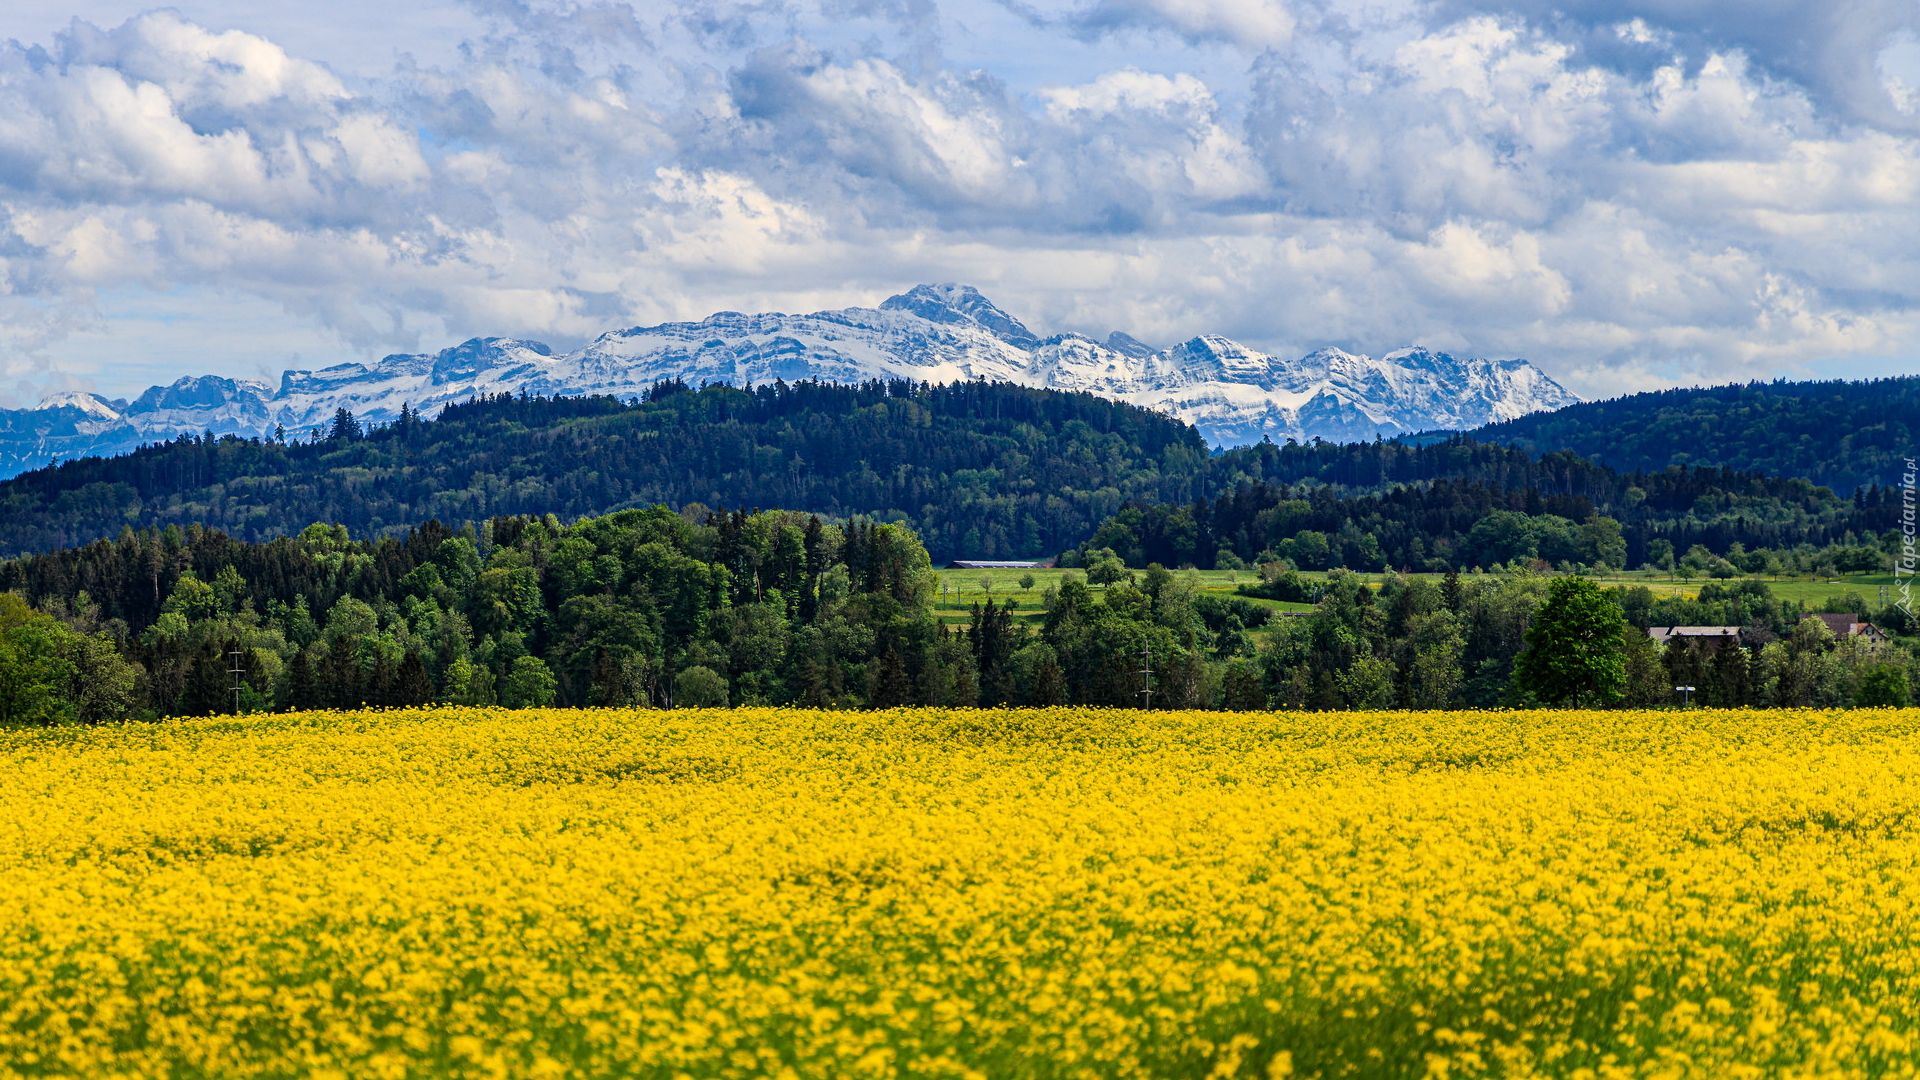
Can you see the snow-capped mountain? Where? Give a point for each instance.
(933, 333)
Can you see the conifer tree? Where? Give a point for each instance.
(303, 690)
(412, 685)
(345, 427)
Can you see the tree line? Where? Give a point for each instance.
(1526, 638)
(640, 607)
(656, 607)
(1840, 434)
(1701, 522)
(975, 469)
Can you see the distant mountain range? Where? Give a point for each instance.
(932, 333)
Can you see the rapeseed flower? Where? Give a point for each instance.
(969, 894)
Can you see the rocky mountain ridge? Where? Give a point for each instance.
(932, 333)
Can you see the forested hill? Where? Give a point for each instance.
(1842, 435)
(1586, 517)
(976, 469)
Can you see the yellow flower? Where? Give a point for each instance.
(947, 893)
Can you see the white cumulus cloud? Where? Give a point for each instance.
(1629, 194)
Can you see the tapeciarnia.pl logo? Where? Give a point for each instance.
(1903, 570)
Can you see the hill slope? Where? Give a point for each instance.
(976, 469)
(1839, 434)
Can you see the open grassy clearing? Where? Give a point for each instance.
(957, 591)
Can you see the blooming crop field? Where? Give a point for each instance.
(921, 893)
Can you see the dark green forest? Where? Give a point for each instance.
(637, 607)
(1840, 434)
(582, 551)
(990, 471)
(976, 470)
(1559, 512)
(652, 607)
(1425, 642)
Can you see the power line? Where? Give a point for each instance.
(237, 658)
(1146, 674)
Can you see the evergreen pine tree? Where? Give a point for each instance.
(208, 690)
(891, 685)
(1729, 677)
(303, 690)
(384, 688)
(345, 427)
(1049, 684)
(1326, 694)
(344, 686)
(412, 685)
(603, 688)
(1241, 689)
(1684, 667)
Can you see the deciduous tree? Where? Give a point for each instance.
(1575, 648)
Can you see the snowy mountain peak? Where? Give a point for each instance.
(1213, 358)
(931, 333)
(476, 355)
(1328, 358)
(961, 304)
(92, 404)
(1422, 358)
(1128, 345)
(198, 392)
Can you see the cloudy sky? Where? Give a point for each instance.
(1632, 194)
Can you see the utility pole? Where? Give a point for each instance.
(236, 658)
(1146, 674)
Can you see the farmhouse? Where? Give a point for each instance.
(1708, 638)
(987, 564)
(1711, 638)
(1851, 626)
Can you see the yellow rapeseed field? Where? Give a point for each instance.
(925, 893)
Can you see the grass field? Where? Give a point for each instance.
(958, 590)
(1001, 893)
